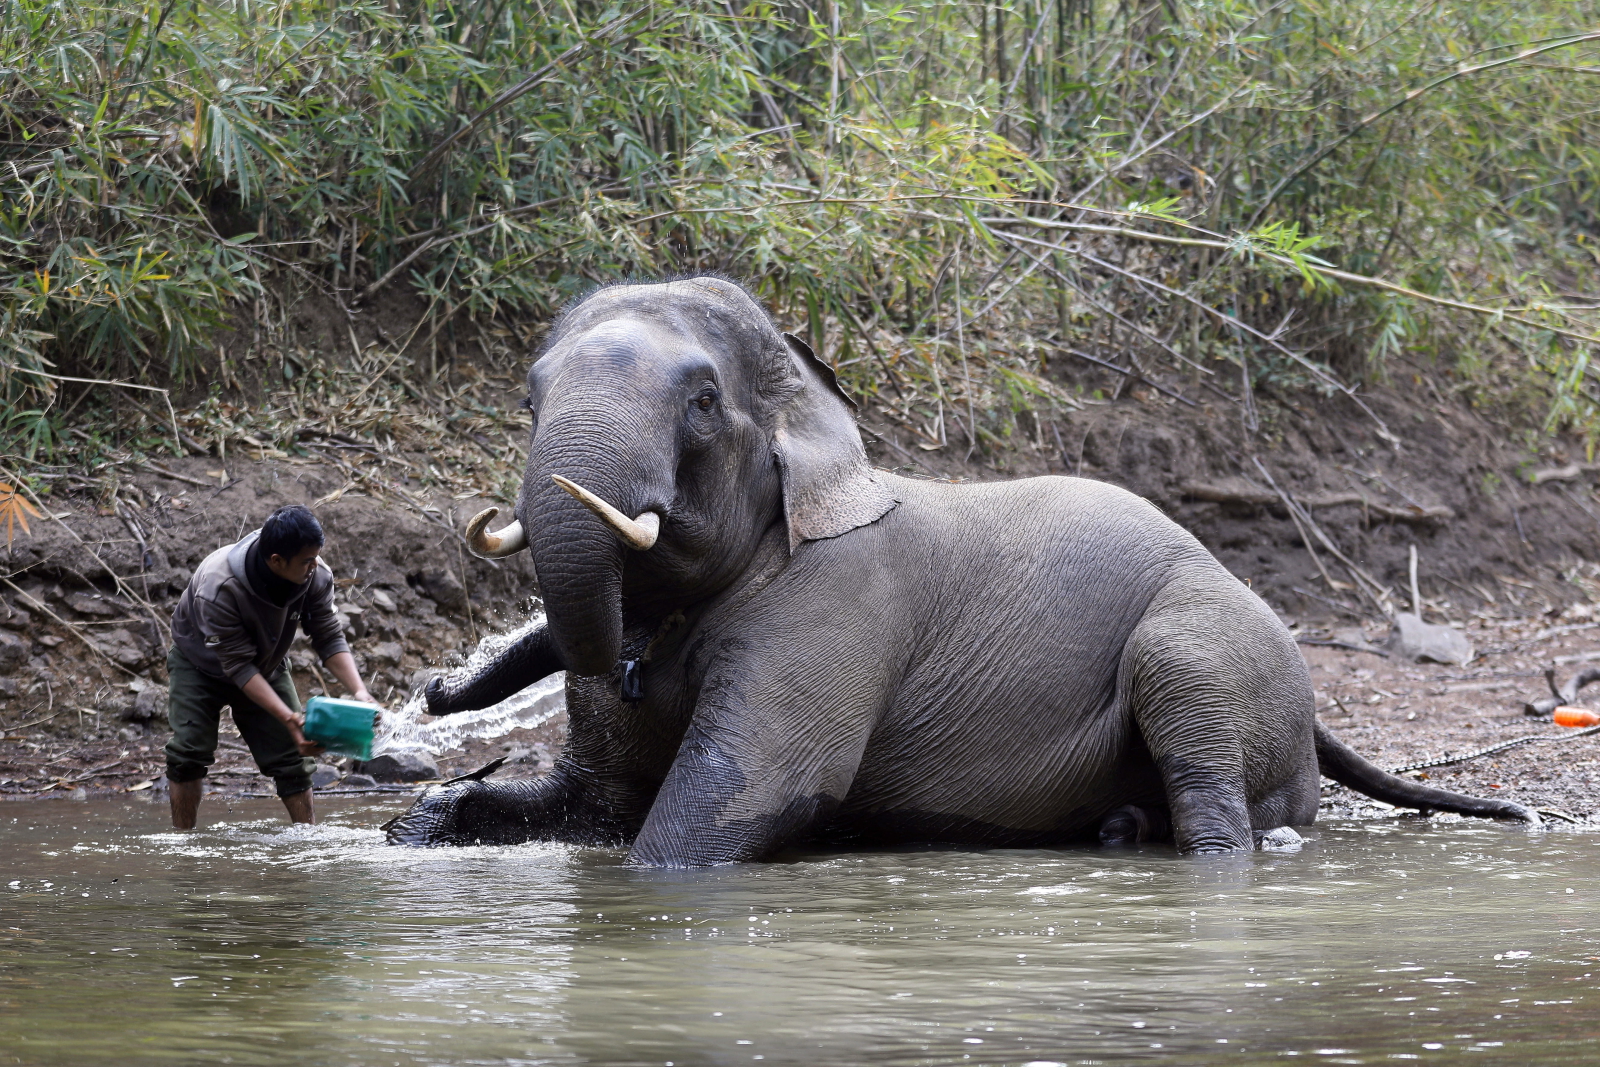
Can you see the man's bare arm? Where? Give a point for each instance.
(343, 666)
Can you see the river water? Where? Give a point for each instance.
(251, 942)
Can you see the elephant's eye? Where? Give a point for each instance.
(706, 402)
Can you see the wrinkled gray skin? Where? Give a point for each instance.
(838, 653)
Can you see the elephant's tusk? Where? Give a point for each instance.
(506, 542)
(640, 533)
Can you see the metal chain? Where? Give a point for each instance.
(1443, 761)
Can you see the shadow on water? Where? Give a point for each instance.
(254, 943)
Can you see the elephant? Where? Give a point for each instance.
(769, 642)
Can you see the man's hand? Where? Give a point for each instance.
(266, 697)
(307, 748)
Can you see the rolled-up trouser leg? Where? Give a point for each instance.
(270, 741)
(194, 707)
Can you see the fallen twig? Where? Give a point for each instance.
(122, 586)
(1135, 375)
(97, 771)
(1376, 592)
(1261, 498)
(1543, 707)
(175, 476)
(1347, 609)
(1374, 649)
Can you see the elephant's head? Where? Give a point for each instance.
(673, 426)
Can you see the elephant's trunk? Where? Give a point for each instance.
(578, 554)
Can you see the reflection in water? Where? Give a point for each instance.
(255, 943)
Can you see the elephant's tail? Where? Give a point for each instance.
(1344, 765)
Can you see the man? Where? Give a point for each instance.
(231, 632)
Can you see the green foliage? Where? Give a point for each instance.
(170, 167)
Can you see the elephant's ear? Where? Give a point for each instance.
(828, 487)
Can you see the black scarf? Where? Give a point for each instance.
(268, 586)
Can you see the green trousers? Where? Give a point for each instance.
(194, 708)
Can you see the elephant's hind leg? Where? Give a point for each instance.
(1134, 824)
(1223, 701)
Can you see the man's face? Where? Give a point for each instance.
(297, 568)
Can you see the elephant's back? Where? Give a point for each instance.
(1019, 601)
(1045, 549)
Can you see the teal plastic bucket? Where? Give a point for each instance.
(342, 726)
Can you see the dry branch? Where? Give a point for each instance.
(1570, 472)
(1252, 496)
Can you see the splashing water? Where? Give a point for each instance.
(405, 729)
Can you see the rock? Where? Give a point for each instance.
(403, 765)
(91, 604)
(10, 687)
(14, 618)
(1422, 642)
(350, 620)
(383, 600)
(149, 703)
(178, 579)
(324, 776)
(13, 652)
(388, 653)
(359, 781)
(130, 733)
(443, 588)
(124, 648)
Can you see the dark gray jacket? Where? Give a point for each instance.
(227, 631)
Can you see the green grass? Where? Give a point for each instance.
(881, 173)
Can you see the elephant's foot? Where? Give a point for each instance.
(1131, 824)
(477, 813)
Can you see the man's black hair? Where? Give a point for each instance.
(289, 530)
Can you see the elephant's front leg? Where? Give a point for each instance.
(769, 755)
(485, 813)
(598, 793)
